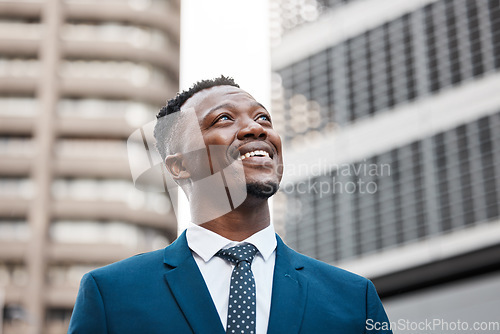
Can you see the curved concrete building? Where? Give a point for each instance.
(77, 77)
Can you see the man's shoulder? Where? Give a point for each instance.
(134, 265)
(321, 271)
(147, 262)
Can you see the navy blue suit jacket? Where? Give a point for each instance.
(164, 292)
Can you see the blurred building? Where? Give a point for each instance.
(391, 115)
(77, 77)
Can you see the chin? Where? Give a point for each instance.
(262, 190)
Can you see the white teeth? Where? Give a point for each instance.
(254, 153)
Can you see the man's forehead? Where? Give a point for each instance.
(211, 97)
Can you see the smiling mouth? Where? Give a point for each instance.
(256, 153)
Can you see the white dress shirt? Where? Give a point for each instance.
(217, 271)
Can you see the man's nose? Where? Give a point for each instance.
(251, 129)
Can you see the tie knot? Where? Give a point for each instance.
(238, 253)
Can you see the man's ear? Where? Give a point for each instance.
(175, 166)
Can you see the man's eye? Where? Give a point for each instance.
(223, 118)
(264, 118)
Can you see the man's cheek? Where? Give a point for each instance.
(280, 169)
(198, 164)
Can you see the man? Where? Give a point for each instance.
(202, 283)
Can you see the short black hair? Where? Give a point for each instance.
(165, 126)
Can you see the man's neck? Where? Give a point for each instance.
(242, 222)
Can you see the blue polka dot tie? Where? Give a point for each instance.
(242, 308)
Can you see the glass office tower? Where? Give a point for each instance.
(391, 116)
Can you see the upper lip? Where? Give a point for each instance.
(253, 146)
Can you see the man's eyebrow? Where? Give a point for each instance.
(225, 105)
(260, 105)
(229, 106)
(220, 106)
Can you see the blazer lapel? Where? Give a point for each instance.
(189, 289)
(289, 294)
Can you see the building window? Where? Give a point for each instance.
(432, 186)
(443, 44)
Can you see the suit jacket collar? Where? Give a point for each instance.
(191, 293)
(289, 294)
(189, 289)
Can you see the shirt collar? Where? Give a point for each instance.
(206, 243)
